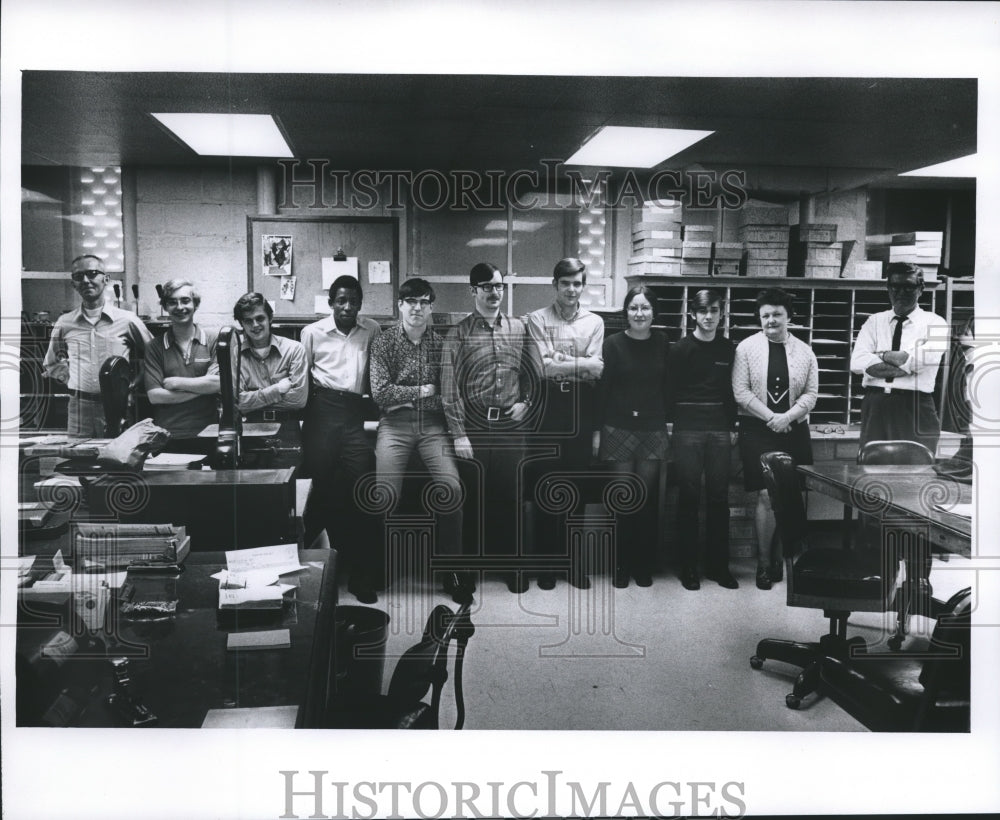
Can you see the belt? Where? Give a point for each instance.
(333, 391)
(873, 390)
(492, 414)
(271, 415)
(83, 394)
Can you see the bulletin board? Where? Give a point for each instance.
(296, 247)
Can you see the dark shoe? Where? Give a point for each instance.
(619, 580)
(763, 578)
(643, 579)
(580, 580)
(723, 579)
(546, 580)
(362, 590)
(690, 580)
(516, 582)
(777, 571)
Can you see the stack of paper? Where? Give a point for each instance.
(250, 580)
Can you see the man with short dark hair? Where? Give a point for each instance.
(406, 385)
(336, 453)
(273, 382)
(570, 340)
(489, 384)
(899, 351)
(83, 339)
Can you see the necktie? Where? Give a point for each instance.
(897, 336)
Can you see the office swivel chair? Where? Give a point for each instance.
(115, 379)
(914, 692)
(835, 580)
(903, 453)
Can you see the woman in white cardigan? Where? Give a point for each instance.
(775, 382)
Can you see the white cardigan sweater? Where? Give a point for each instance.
(750, 375)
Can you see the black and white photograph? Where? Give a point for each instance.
(654, 456)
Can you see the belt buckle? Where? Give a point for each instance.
(493, 414)
(269, 415)
(886, 390)
(565, 386)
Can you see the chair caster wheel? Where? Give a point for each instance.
(793, 701)
(895, 642)
(756, 662)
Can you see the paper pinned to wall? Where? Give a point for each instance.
(378, 273)
(321, 304)
(332, 268)
(288, 288)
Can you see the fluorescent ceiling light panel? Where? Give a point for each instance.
(228, 135)
(961, 167)
(621, 146)
(519, 225)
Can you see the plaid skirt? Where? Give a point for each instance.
(619, 444)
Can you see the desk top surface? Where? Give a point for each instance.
(179, 664)
(917, 492)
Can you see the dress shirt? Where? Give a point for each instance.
(580, 336)
(925, 338)
(399, 368)
(88, 345)
(336, 360)
(259, 376)
(164, 358)
(486, 365)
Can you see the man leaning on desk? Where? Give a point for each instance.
(899, 352)
(83, 339)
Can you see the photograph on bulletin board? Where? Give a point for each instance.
(277, 254)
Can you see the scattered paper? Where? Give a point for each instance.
(378, 273)
(963, 510)
(262, 639)
(257, 717)
(332, 268)
(279, 559)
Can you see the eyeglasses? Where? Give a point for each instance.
(640, 309)
(78, 275)
(498, 287)
(905, 288)
(184, 301)
(420, 303)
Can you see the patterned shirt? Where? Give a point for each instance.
(259, 377)
(399, 368)
(581, 336)
(87, 346)
(337, 360)
(487, 365)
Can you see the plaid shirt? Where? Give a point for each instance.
(487, 365)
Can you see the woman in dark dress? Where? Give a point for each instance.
(775, 384)
(633, 433)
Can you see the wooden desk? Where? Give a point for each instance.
(178, 664)
(899, 494)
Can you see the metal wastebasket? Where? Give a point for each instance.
(360, 650)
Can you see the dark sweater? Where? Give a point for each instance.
(700, 373)
(633, 386)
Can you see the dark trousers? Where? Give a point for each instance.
(338, 456)
(908, 415)
(700, 453)
(567, 424)
(494, 494)
(637, 533)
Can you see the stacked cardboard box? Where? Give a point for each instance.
(726, 258)
(921, 248)
(814, 251)
(657, 241)
(764, 233)
(696, 251)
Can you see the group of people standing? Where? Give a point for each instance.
(521, 406)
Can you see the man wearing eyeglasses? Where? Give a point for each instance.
(83, 339)
(182, 374)
(489, 384)
(406, 385)
(899, 351)
(570, 340)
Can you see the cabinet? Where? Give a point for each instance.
(828, 315)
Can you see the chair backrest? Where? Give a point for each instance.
(227, 351)
(424, 666)
(115, 378)
(948, 666)
(785, 490)
(897, 451)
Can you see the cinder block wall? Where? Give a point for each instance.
(192, 222)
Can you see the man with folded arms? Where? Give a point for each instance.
(336, 453)
(83, 339)
(406, 385)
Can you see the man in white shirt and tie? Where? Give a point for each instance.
(899, 351)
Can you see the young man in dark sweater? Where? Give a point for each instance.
(703, 410)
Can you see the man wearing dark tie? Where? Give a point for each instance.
(899, 351)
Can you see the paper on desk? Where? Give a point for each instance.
(259, 597)
(963, 510)
(257, 717)
(279, 559)
(240, 580)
